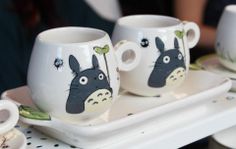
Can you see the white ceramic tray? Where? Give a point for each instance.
(226, 137)
(38, 140)
(211, 63)
(130, 114)
(17, 141)
(170, 130)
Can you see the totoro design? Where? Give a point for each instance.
(169, 68)
(89, 89)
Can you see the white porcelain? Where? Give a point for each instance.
(212, 63)
(74, 72)
(17, 141)
(226, 38)
(165, 43)
(226, 137)
(11, 138)
(10, 115)
(166, 131)
(37, 139)
(136, 112)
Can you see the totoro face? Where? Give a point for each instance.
(90, 80)
(169, 67)
(89, 90)
(170, 60)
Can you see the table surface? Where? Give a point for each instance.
(172, 130)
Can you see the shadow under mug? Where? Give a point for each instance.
(73, 73)
(164, 43)
(9, 116)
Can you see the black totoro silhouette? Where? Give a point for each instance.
(169, 66)
(88, 89)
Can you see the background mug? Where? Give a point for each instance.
(73, 73)
(226, 38)
(9, 116)
(164, 43)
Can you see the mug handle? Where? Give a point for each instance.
(128, 55)
(192, 33)
(13, 116)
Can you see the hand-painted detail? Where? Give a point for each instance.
(169, 66)
(180, 34)
(89, 89)
(58, 63)
(30, 113)
(144, 42)
(103, 51)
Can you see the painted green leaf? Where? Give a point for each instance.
(179, 34)
(106, 49)
(101, 50)
(28, 112)
(98, 50)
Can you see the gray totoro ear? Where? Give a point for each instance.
(95, 62)
(176, 43)
(74, 64)
(159, 44)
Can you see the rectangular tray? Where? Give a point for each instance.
(131, 115)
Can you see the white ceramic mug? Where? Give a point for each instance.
(74, 72)
(226, 38)
(9, 116)
(164, 43)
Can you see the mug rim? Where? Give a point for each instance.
(43, 36)
(121, 21)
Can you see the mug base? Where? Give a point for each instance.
(227, 64)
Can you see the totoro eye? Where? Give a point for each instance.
(180, 56)
(166, 59)
(144, 42)
(100, 76)
(83, 80)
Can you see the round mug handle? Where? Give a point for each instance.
(192, 33)
(128, 55)
(13, 115)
